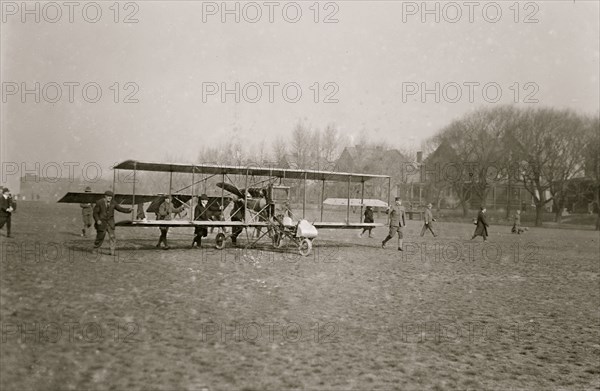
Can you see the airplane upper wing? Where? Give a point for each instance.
(90, 198)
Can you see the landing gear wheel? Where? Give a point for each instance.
(220, 241)
(305, 247)
(277, 240)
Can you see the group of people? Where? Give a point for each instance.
(397, 222)
(103, 213)
(482, 224)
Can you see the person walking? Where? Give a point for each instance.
(368, 219)
(428, 221)
(482, 225)
(397, 215)
(104, 216)
(87, 214)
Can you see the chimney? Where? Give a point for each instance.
(419, 156)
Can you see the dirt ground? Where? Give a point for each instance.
(518, 313)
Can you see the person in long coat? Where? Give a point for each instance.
(7, 206)
(200, 214)
(482, 225)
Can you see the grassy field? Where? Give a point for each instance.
(518, 313)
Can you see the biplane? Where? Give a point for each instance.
(264, 200)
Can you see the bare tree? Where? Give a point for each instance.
(301, 145)
(475, 139)
(280, 150)
(566, 160)
(591, 158)
(547, 153)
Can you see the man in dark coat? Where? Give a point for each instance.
(201, 214)
(238, 213)
(428, 221)
(481, 229)
(104, 216)
(6, 208)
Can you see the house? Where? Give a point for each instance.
(443, 173)
(381, 161)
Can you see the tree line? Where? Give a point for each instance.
(543, 149)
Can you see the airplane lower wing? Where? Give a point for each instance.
(210, 223)
(327, 225)
(90, 198)
(183, 223)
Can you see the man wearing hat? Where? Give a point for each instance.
(397, 215)
(164, 213)
(237, 214)
(482, 225)
(87, 213)
(428, 225)
(6, 209)
(104, 216)
(200, 214)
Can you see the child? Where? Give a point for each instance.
(368, 219)
(516, 229)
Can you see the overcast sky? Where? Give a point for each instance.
(178, 49)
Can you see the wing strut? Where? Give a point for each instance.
(133, 198)
(362, 199)
(348, 208)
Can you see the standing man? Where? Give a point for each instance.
(428, 225)
(6, 209)
(397, 223)
(200, 214)
(164, 213)
(104, 216)
(238, 213)
(87, 214)
(481, 229)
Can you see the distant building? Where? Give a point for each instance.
(443, 171)
(380, 161)
(37, 188)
